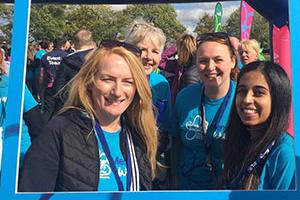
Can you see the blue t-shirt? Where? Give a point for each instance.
(187, 124)
(107, 180)
(161, 98)
(278, 172)
(39, 54)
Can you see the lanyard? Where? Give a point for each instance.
(111, 160)
(261, 156)
(213, 126)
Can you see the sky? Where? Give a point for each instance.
(188, 13)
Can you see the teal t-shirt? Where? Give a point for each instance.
(187, 125)
(107, 180)
(39, 54)
(278, 172)
(161, 95)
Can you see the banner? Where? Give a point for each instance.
(281, 55)
(217, 17)
(246, 20)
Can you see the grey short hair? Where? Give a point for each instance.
(140, 29)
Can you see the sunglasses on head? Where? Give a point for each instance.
(215, 35)
(115, 43)
(218, 35)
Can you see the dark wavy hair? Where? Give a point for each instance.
(239, 151)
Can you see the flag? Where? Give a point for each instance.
(246, 20)
(217, 17)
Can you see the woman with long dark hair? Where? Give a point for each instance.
(258, 152)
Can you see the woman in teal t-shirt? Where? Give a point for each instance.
(259, 153)
(200, 116)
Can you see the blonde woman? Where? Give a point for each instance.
(248, 51)
(184, 67)
(104, 139)
(151, 40)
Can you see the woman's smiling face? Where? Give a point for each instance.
(214, 63)
(151, 54)
(114, 87)
(253, 99)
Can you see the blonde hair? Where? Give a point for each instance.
(186, 47)
(249, 44)
(82, 37)
(138, 115)
(140, 29)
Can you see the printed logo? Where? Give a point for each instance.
(219, 133)
(105, 169)
(3, 99)
(194, 131)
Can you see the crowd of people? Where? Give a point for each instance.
(100, 117)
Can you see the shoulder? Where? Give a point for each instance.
(284, 145)
(157, 78)
(280, 166)
(70, 120)
(188, 98)
(283, 152)
(193, 90)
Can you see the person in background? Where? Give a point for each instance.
(70, 47)
(2, 67)
(51, 62)
(258, 151)
(37, 83)
(105, 137)
(151, 41)
(70, 65)
(248, 51)
(201, 113)
(184, 66)
(236, 43)
(50, 47)
(3, 101)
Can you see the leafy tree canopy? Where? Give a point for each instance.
(6, 17)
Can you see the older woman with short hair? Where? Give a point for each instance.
(151, 41)
(248, 51)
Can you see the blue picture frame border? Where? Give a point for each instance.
(14, 107)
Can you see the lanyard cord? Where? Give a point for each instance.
(211, 129)
(259, 158)
(111, 161)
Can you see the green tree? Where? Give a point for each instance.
(233, 24)
(161, 15)
(205, 24)
(6, 18)
(259, 30)
(47, 21)
(97, 18)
